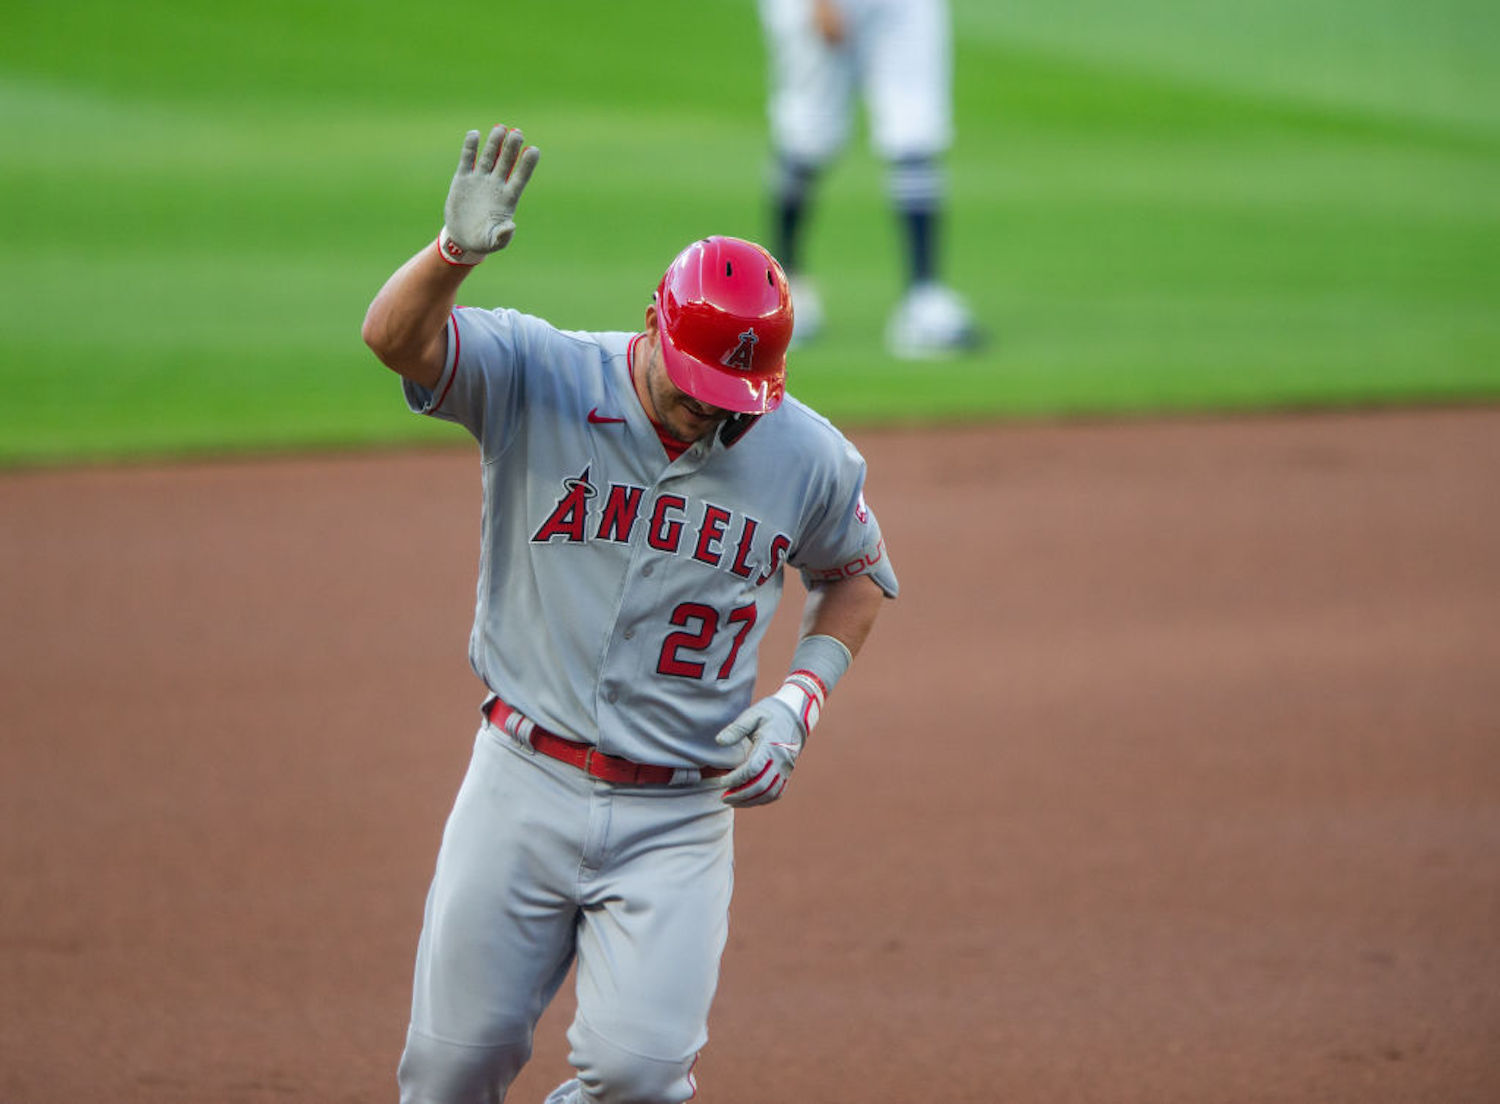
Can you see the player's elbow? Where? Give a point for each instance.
(419, 360)
(376, 334)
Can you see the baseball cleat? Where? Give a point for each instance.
(931, 321)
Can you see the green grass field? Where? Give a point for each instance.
(1154, 206)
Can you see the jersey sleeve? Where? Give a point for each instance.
(844, 540)
(482, 384)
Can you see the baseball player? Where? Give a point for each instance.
(644, 493)
(897, 56)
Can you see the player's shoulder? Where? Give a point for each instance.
(509, 318)
(611, 343)
(543, 339)
(795, 418)
(798, 413)
(795, 429)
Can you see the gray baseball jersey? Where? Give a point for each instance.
(623, 597)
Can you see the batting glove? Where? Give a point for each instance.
(479, 215)
(776, 727)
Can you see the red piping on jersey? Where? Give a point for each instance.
(673, 445)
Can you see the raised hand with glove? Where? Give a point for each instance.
(479, 215)
(777, 726)
(406, 325)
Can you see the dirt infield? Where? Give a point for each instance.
(1174, 776)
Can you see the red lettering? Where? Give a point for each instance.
(620, 513)
(715, 521)
(665, 536)
(741, 565)
(853, 567)
(669, 662)
(779, 546)
(567, 520)
(745, 615)
(699, 624)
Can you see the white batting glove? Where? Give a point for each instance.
(479, 215)
(776, 727)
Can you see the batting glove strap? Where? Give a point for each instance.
(455, 254)
(805, 693)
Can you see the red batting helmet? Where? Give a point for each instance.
(725, 317)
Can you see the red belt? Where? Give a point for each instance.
(586, 757)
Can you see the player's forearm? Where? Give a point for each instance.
(835, 621)
(405, 324)
(844, 609)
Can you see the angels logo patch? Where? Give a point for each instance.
(742, 356)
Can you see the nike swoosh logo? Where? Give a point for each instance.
(595, 418)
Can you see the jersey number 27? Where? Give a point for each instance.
(699, 625)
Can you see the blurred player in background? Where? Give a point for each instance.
(897, 56)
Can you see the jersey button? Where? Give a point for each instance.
(646, 570)
(629, 634)
(613, 697)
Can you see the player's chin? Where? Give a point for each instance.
(695, 423)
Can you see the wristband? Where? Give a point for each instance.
(456, 254)
(817, 665)
(825, 657)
